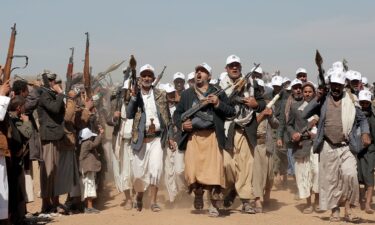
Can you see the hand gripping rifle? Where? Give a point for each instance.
(130, 72)
(247, 85)
(196, 108)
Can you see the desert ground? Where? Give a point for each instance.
(283, 209)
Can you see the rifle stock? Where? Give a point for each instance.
(8, 64)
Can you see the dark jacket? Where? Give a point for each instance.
(51, 110)
(135, 110)
(219, 114)
(370, 115)
(297, 124)
(88, 157)
(252, 126)
(320, 108)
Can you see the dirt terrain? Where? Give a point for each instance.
(283, 210)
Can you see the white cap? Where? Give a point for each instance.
(337, 76)
(295, 82)
(285, 79)
(178, 75)
(205, 66)
(213, 81)
(147, 67)
(232, 59)
(301, 70)
(364, 80)
(223, 75)
(269, 85)
(191, 75)
(169, 88)
(338, 66)
(85, 134)
(258, 70)
(277, 81)
(260, 82)
(355, 75)
(364, 95)
(161, 86)
(126, 84)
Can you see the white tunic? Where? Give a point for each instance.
(4, 192)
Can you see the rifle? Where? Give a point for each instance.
(69, 72)
(8, 64)
(86, 68)
(240, 84)
(196, 108)
(159, 77)
(319, 63)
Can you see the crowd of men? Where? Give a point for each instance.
(229, 137)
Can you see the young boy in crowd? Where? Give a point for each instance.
(89, 165)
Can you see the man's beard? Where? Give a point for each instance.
(298, 97)
(146, 84)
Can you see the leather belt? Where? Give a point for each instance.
(151, 136)
(337, 145)
(261, 141)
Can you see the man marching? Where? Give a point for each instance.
(152, 129)
(203, 138)
(242, 136)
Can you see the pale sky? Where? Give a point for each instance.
(281, 35)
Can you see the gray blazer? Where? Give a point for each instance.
(320, 108)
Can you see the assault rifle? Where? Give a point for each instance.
(159, 77)
(202, 104)
(8, 64)
(319, 63)
(86, 68)
(241, 84)
(69, 72)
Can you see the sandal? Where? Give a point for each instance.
(128, 204)
(308, 210)
(246, 208)
(155, 207)
(258, 209)
(213, 212)
(351, 218)
(198, 199)
(335, 216)
(369, 211)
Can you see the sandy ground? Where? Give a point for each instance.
(283, 210)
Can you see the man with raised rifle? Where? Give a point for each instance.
(51, 111)
(151, 133)
(242, 137)
(336, 140)
(203, 138)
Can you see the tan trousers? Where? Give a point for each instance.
(262, 171)
(239, 166)
(338, 180)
